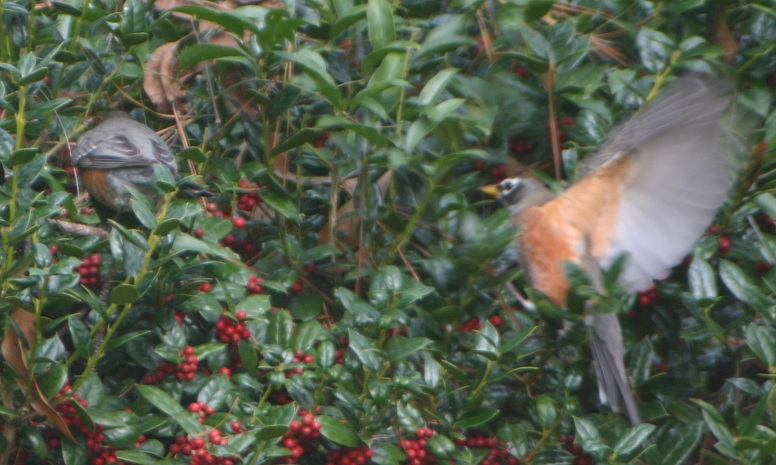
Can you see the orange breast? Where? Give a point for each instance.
(578, 224)
(98, 185)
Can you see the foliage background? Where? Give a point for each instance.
(345, 141)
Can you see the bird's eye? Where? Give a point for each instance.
(508, 185)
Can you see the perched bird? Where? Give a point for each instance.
(650, 192)
(121, 152)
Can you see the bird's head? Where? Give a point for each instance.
(516, 194)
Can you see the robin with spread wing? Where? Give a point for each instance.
(649, 193)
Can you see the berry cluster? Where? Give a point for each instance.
(254, 285)
(339, 354)
(576, 449)
(184, 371)
(187, 368)
(97, 452)
(472, 324)
(498, 173)
(197, 448)
(302, 437)
(248, 200)
(89, 269)
(165, 369)
(212, 208)
(521, 146)
(497, 454)
(300, 358)
(724, 239)
(230, 330)
(416, 449)
(202, 409)
(241, 245)
(63, 160)
(400, 331)
(358, 456)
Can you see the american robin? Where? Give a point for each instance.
(650, 192)
(121, 152)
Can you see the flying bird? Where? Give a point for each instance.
(650, 192)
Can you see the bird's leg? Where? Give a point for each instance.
(524, 301)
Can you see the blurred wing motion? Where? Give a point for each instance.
(650, 193)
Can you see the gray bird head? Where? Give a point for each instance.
(516, 194)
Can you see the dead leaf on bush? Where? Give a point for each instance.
(15, 355)
(346, 221)
(160, 80)
(723, 36)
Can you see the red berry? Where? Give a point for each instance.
(239, 222)
(236, 426)
(521, 71)
(724, 244)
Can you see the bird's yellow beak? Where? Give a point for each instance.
(492, 190)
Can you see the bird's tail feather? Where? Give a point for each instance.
(607, 347)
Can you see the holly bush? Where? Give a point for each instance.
(345, 297)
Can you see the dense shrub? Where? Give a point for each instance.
(343, 298)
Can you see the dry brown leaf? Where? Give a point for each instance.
(346, 221)
(164, 5)
(723, 37)
(203, 25)
(160, 80)
(233, 81)
(15, 355)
